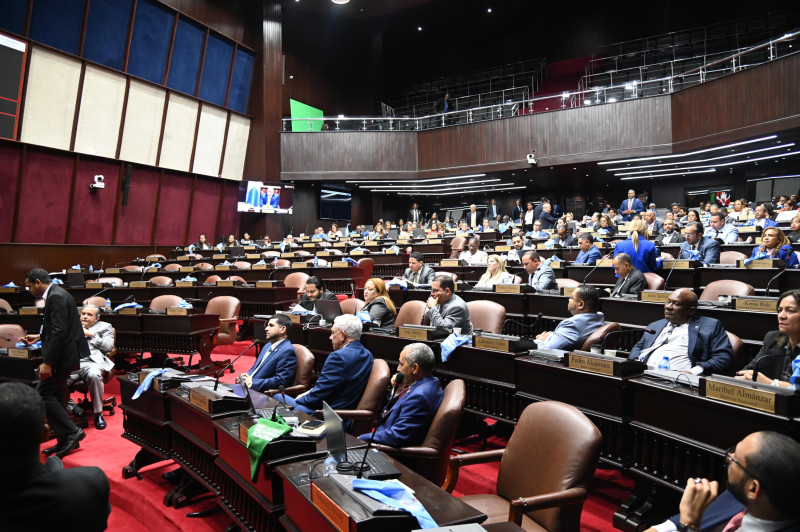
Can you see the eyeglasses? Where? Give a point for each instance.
(729, 458)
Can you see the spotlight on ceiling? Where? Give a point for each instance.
(340, 1)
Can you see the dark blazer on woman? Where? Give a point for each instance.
(380, 312)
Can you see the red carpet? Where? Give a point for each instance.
(137, 506)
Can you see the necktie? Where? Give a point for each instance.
(717, 235)
(261, 362)
(661, 340)
(735, 523)
(416, 278)
(630, 204)
(619, 288)
(530, 279)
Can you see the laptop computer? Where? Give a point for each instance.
(236, 251)
(328, 308)
(348, 461)
(419, 233)
(392, 234)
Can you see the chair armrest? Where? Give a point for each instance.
(290, 391)
(459, 460)
(229, 320)
(566, 497)
(355, 414)
(417, 452)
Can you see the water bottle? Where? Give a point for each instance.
(316, 261)
(329, 466)
(275, 262)
(91, 268)
(664, 364)
(108, 304)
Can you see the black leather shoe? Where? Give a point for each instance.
(99, 422)
(50, 450)
(71, 443)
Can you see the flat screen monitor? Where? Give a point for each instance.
(268, 198)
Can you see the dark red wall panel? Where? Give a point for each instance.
(228, 217)
(93, 212)
(44, 202)
(135, 220)
(203, 218)
(173, 207)
(9, 173)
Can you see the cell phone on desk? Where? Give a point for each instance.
(312, 424)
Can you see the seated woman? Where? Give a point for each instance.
(334, 232)
(246, 240)
(377, 232)
(794, 236)
(203, 243)
(740, 210)
(231, 242)
(642, 252)
(691, 216)
(605, 226)
(495, 273)
(775, 245)
(780, 349)
(378, 303)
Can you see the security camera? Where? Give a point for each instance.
(532, 159)
(98, 183)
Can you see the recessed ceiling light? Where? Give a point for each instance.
(489, 10)
(419, 28)
(340, 1)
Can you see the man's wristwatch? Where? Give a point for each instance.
(682, 527)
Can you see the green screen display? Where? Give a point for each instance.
(301, 110)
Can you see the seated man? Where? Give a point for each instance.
(537, 231)
(670, 235)
(344, 376)
(446, 309)
(563, 238)
(631, 280)
(653, 224)
(319, 234)
(518, 248)
(472, 254)
(719, 229)
(763, 217)
(540, 277)
(315, 289)
(763, 477)
(36, 496)
(572, 332)
(689, 343)
(589, 253)
(406, 423)
(100, 336)
(698, 247)
(276, 365)
(417, 272)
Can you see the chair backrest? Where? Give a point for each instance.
(226, 307)
(373, 395)
(243, 265)
(597, 336)
(725, 287)
(351, 306)
(284, 263)
(5, 305)
(567, 283)
(518, 279)
(454, 276)
(411, 312)
(457, 245)
(11, 331)
(731, 257)
(442, 433)
(97, 301)
(164, 302)
(162, 280)
(654, 281)
(132, 268)
(487, 315)
(557, 447)
(156, 257)
(213, 279)
(296, 280)
(237, 278)
(737, 346)
(271, 254)
(204, 266)
(305, 366)
(368, 264)
(113, 281)
(665, 255)
(172, 267)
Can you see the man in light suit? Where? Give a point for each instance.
(630, 206)
(100, 336)
(407, 421)
(492, 210)
(276, 365)
(63, 346)
(572, 332)
(670, 235)
(718, 228)
(344, 376)
(692, 344)
(540, 277)
(699, 247)
(518, 248)
(631, 280)
(589, 253)
(418, 272)
(473, 217)
(472, 254)
(446, 309)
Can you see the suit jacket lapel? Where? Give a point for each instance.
(694, 331)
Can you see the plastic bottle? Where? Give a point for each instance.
(108, 303)
(91, 268)
(664, 364)
(316, 261)
(329, 465)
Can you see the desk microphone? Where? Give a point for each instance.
(758, 363)
(538, 317)
(597, 265)
(200, 370)
(98, 293)
(766, 292)
(275, 410)
(669, 275)
(612, 333)
(100, 271)
(6, 339)
(219, 373)
(398, 381)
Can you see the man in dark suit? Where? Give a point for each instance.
(693, 344)
(315, 289)
(36, 496)
(631, 280)
(276, 365)
(445, 308)
(63, 346)
(654, 226)
(415, 215)
(346, 371)
(670, 235)
(417, 272)
(630, 206)
(699, 247)
(589, 253)
(407, 421)
(493, 210)
(540, 277)
(516, 214)
(547, 218)
(564, 238)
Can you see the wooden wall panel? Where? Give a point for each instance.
(44, 201)
(92, 211)
(143, 120)
(10, 155)
(236, 19)
(100, 112)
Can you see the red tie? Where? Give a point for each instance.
(735, 523)
(630, 204)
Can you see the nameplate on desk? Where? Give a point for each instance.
(311, 245)
(222, 268)
(356, 253)
(594, 365)
(332, 511)
(678, 264)
(371, 243)
(412, 333)
(251, 256)
(567, 291)
(323, 253)
(219, 256)
(182, 258)
(604, 262)
(434, 241)
(7, 289)
(390, 251)
(740, 394)
(654, 296)
(450, 262)
(300, 318)
(749, 229)
(508, 288)
(29, 311)
(557, 264)
(340, 264)
(73, 270)
(139, 284)
(604, 364)
(760, 263)
(186, 269)
(184, 284)
(249, 248)
(506, 344)
(258, 267)
(15, 352)
(403, 241)
(265, 284)
(129, 311)
(344, 238)
(177, 311)
(599, 245)
(94, 286)
(756, 304)
(288, 255)
(339, 245)
(225, 282)
(300, 265)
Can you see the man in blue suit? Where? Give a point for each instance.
(699, 247)
(269, 198)
(346, 371)
(277, 362)
(589, 253)
(692, 344)
(407, 421)
(630, 206)
(763, 216)
(572, 332)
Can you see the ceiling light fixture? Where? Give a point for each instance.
(677, 155)
(340, 1)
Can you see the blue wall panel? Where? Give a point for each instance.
(186, 55)
(216, 69)
(107, 32)
(152, 31)
(242, 81)
(12, 16)
(58, 23)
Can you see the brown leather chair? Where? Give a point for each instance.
(302, 375)
(284, 263)
(204, 266)
(654, 281)
(667, 256)
(518, 279)
(156, 257)
(737, 346)
(228, 308)
(5, 305)
(211, 279)
(457, 245)
(567, 283)
(557, 448)
(320, 262)
(97, 301)
(297, 280)
(410, 312)
(270, 255)
(597, 336)
(113, 281)
(11, 331)
(731, 257)
(431, 458)
(351, 306)
(369, 265)
(366, 410)
(237, 278)
(487, 315)
(452, 275)
(132, 268)
(82, 387)
(172, 267)
(165, 301)
(725, 287)
(162, 280)
(243, 265)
